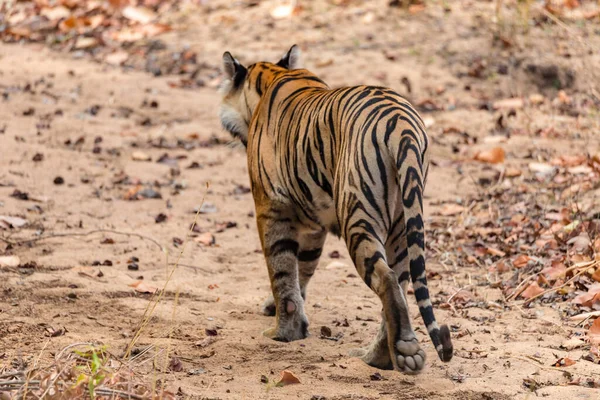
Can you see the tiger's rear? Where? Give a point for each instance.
(351, 161)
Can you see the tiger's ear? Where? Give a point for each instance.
(291, 59)
(233, 70)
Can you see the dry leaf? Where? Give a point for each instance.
(85, 42)
(142, 287)
(205, 238)
(55, 13)
(572, 344)
(140, 156)
(287, 378)
(492, 156)
(139, 14)
(508, 103)
(336, 265)
(284, 11)
(9, 261)
(117, 58)
(594, 332)
(563, 362)
(555, 271)
(532, 290)
(495, 252)
(589, 298)
(7, 222)
(521, 261)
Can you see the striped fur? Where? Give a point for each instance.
(351, 161)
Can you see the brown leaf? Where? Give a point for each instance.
(508, 103)
(139, 14)
(563, 362)
(594, 332)
(7, 222)
(555, 271)
(142, 287)
(492, 156)
(140, 156)
(287, 378)
(532, 290)
(495, 252)
(589, 298)
(205, 238)
(521, 261)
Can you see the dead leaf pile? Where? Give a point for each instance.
(538, 237)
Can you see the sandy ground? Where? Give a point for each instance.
(87, 120)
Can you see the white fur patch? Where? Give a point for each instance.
(231, 119)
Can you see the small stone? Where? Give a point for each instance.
(133, 267)
(59, 180)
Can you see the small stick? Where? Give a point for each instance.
(554, 289)
(55, 235)
(584, 316)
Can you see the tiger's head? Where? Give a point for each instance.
(243, 87)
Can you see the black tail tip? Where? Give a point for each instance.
(446, 352)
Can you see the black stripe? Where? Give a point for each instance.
(283, 246)
(280, 275)
(309, 255)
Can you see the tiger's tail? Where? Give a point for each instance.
(412, 168)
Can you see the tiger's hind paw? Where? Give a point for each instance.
(410, 358)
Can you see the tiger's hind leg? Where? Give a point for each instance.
(279, 238)
(311, 246)
(396, 334)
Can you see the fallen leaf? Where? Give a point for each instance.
(7, 222)
(287, 378)
(508, 103)
(139, 14)
(572, 344)
(85, 42)
(555, 271)
(117, 58)
(536, 98)
(589, 298)
(563, 362)
(492, 156)
(532, 290)
(142, 287)
(336, 265)
(594, 332)
(55, 13)
(205, 238)
(521, 261)
(284, 11)
(140, 156)
(9, 261)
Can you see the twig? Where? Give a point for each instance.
(118, 393)
(585, 316)
(554, 289)
(561, 370)
(457, 292)
(56, 235)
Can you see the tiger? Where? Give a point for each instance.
(349, 161)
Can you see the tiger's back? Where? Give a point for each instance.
(352, 161)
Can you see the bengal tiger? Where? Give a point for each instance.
(351, 161)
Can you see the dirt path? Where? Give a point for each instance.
(73, 128)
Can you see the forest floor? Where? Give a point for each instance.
(106, 154)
